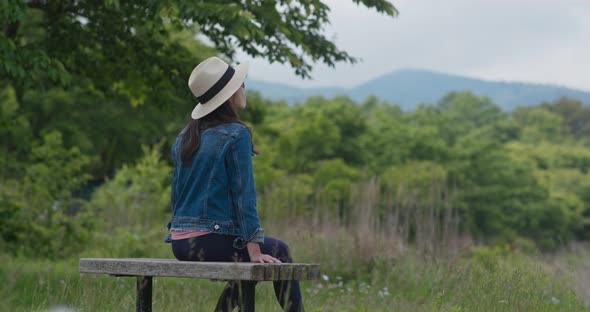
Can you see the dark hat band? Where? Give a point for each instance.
(218, 86)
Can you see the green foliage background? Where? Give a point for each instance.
(92, 94)
(509, 175)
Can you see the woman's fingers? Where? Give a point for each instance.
(270, 259)
(274, 260)
(266, 259)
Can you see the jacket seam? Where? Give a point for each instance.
(174, 191)
(240, 193)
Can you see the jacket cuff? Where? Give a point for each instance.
(257, 237)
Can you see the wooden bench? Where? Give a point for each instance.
(146, 269)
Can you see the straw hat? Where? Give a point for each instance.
(213, 82)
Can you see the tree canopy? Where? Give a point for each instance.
(144, 48)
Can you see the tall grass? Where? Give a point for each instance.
(382, 222)
(396, 248)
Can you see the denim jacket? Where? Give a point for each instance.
(216, 193)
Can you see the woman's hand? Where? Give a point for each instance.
(262, 258)
(257, 257)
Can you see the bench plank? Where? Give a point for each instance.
(205, 270)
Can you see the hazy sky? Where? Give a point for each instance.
(513, 40)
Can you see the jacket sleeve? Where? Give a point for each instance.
(243, 190)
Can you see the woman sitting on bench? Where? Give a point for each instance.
(214, 216)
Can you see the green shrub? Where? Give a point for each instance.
(42, 218)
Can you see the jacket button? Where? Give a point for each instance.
(216, 226)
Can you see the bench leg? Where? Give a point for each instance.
(143, 302)
(248, 296)
(239, 294)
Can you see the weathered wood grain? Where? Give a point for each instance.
(285, 272)
(206, 270)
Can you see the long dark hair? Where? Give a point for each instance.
(191, 138)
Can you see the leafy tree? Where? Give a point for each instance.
(563, 170)
(387, 140)
(493, 191)
(333, 181)
(462, 112)
(110, 129)
(75, 64)
(547, 155)
(143, 49)
(348, 118)
(538, 124)
(307, 136)
(576, 118)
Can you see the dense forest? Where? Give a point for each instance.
(77, 168)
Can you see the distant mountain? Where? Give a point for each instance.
(410, 87)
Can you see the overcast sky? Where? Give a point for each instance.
(512, 40)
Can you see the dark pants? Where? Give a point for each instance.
(216, 247)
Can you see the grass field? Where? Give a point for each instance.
(483, 279)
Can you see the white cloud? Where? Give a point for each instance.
(536, 41)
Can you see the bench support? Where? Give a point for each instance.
(242, 294)
(248, 296)
(143, 301)
(246, 290)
